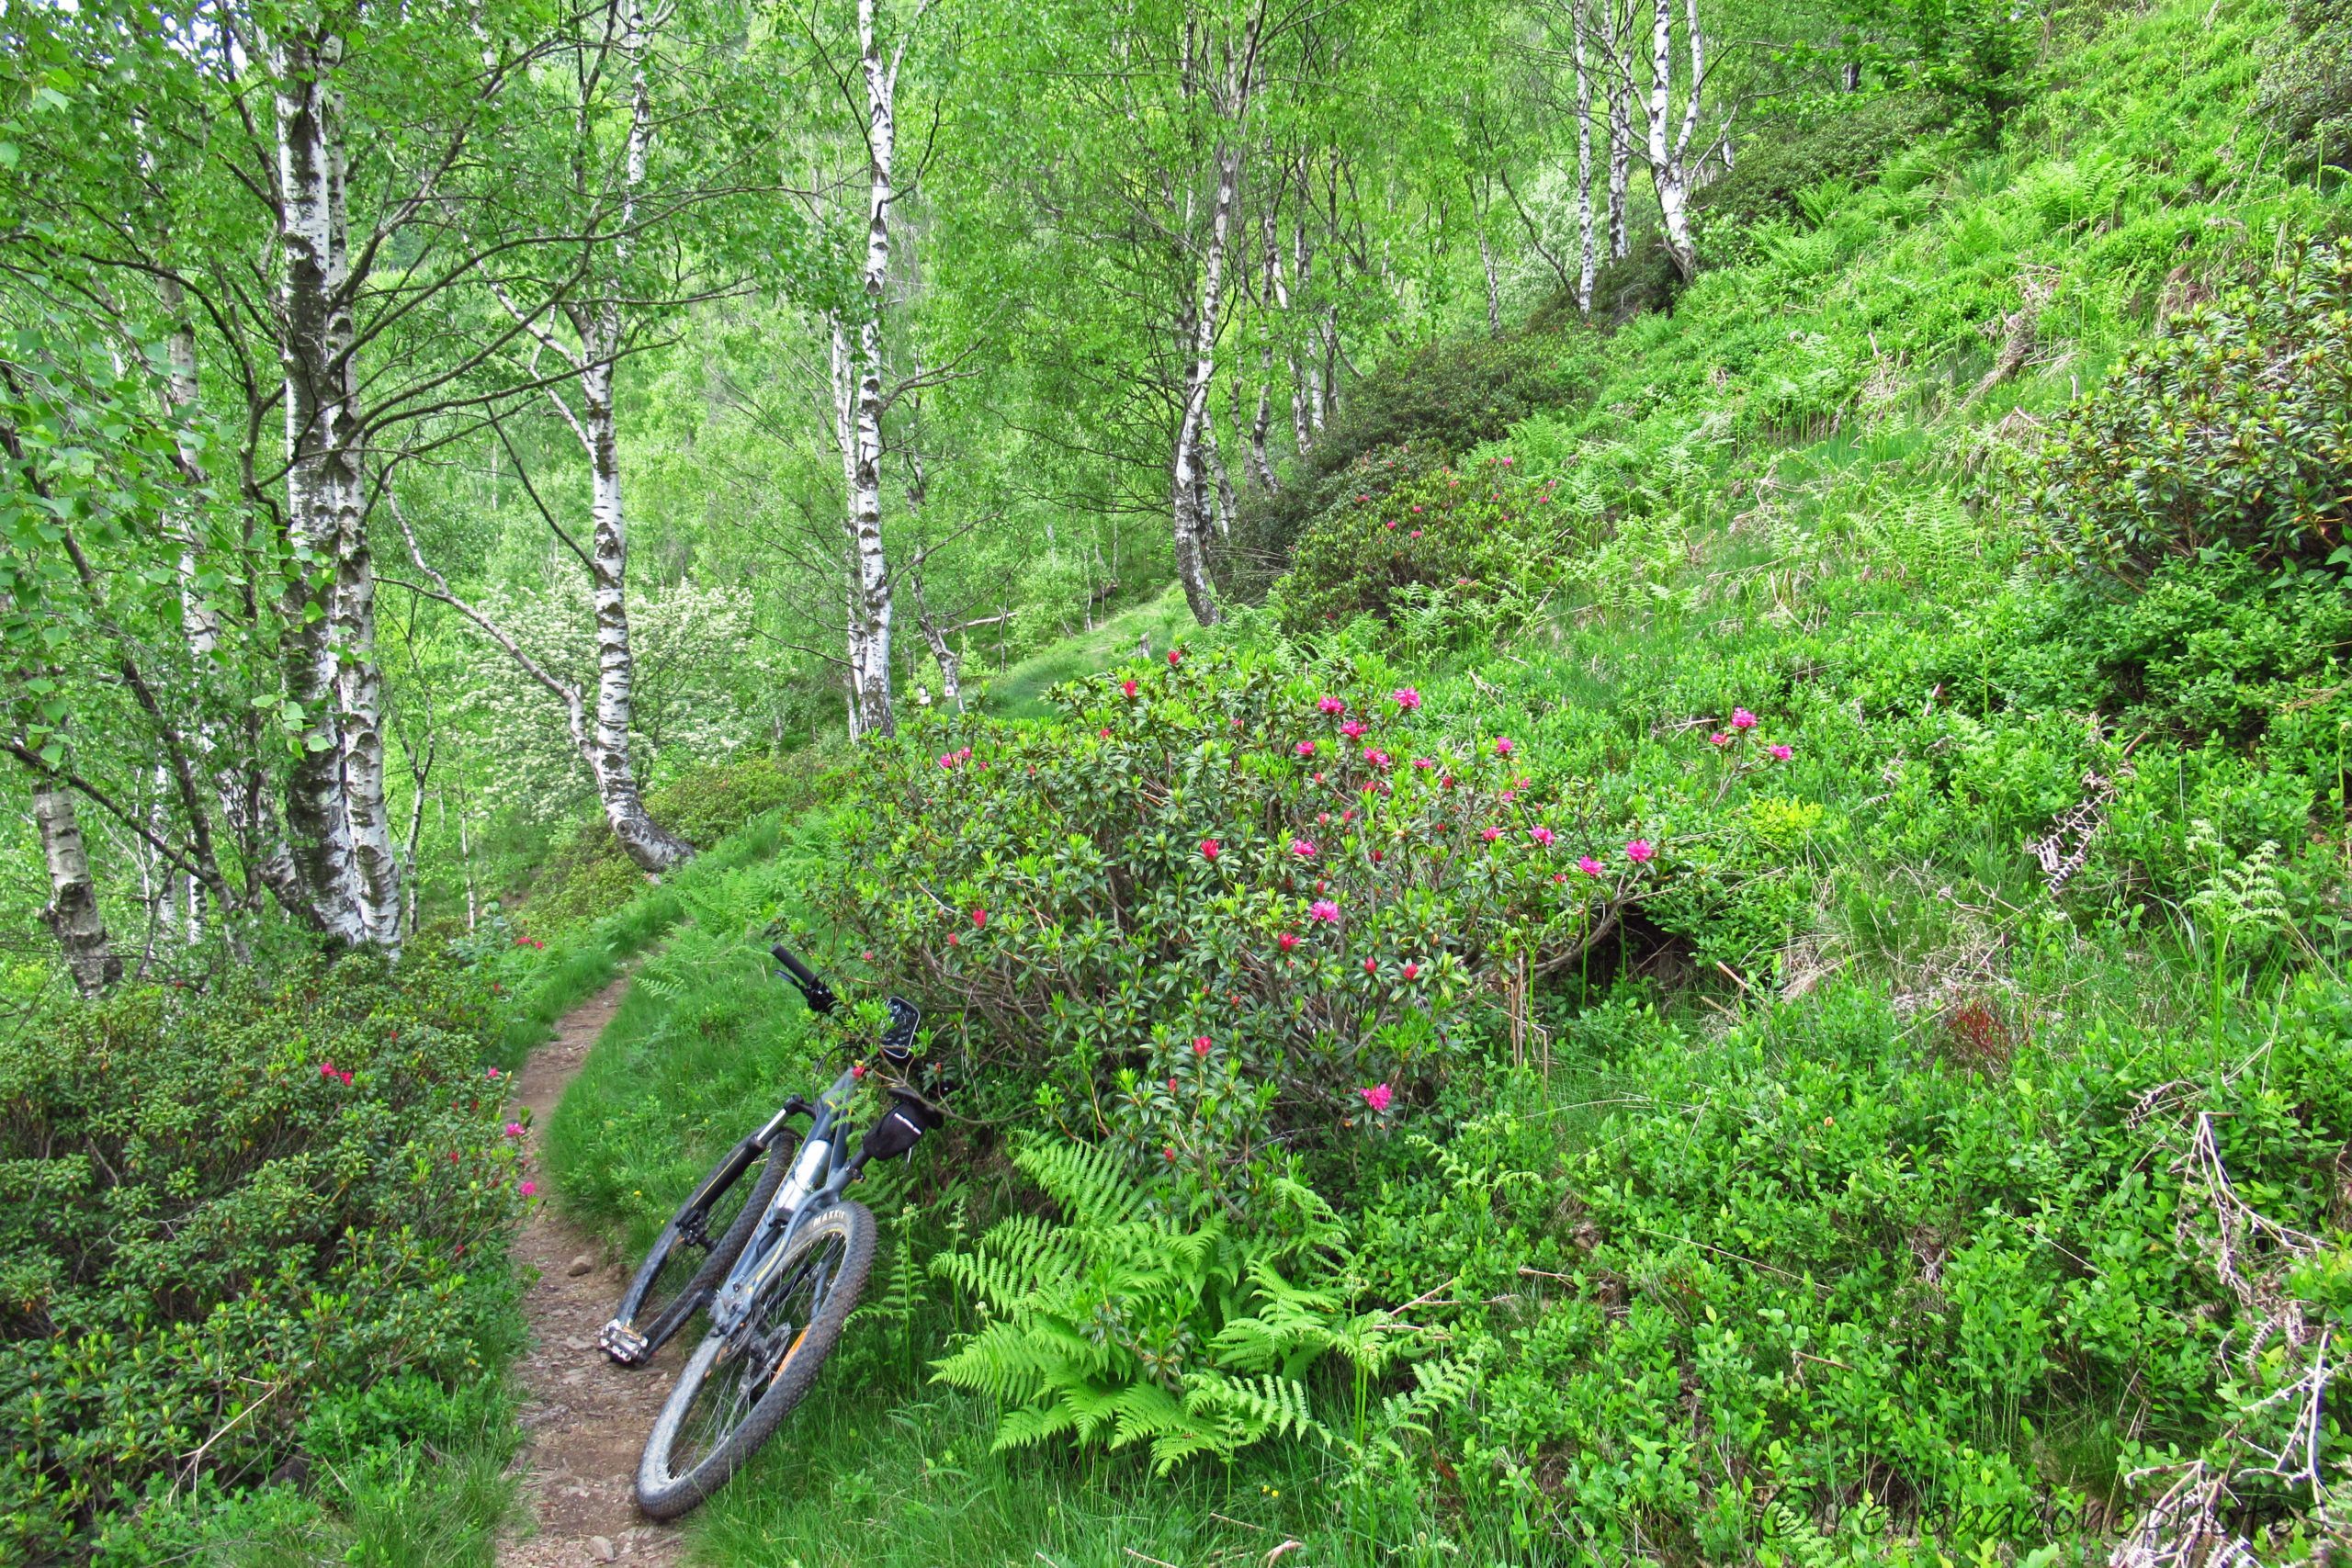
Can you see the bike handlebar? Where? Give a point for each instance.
(819, 995)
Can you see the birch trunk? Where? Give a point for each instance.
(1262, 468)
(1621, 125)
(72, 914)
(330, 605)
(1184, 468)
(870, 608)
(1308, 420)
(1494, 290)
(650, 846)
(1669, 175)
(1300, 437)
(1585, 268)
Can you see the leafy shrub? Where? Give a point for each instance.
(1479, 537)
(1801, 1258)
(2200, 651)
(1777, 171)
(1441, 399)
(206, 1227)
(1125, 1322)
(2307, 79)
(2230, 432)
(589, 874)
(1212, 905)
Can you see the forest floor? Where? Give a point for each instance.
(586, 1417)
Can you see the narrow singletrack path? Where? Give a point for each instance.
(586, 1418)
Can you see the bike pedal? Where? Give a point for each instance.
(622, 1343)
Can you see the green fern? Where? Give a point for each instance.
(1121, 1325)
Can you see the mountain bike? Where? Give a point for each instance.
(771, 1256)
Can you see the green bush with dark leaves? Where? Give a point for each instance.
(216, 1208)
(1218, 907)
(1418, 531)
(2230, 432)
(1442, 399)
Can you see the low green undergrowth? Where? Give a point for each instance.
(232, 1217)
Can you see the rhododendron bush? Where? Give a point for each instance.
(1213, 901)
(220, 1207)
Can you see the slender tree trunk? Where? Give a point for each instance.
(650, 846)
(1621, 125)
(1308, 419)
(1262, 468)
(1184, 470)
(72, 914)
(871, 609)
(1586, 267)
(1669, 175)
(342, 848)
(1486, 265)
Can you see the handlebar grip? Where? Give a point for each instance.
(820, 995)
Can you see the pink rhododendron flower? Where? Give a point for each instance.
(1200, 1045)
(1377, 757)
(1175, 657)
(1407, 697)
(1588, 865)
(1371, 967)
(1490, 834)
(1640, 850)
(1286, 940)
(1353, 729)
(1540, 834)
(1304, 748)
(1782, 753)
(1128, 688)
(1211, 849)
(1411, 971)
(1377, 1097)
(1333, 705)
(1718, 739)
(530, 1188)
(1503, 747)
(1388, 523)
(1417, 533)
(1425, 763)
(1742, 719)
(979, 920)
(1325, 910)
(514, 1129)
(495, 1074)
(1302, 847)
(326, 1069)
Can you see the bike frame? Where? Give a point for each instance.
(821, 1171)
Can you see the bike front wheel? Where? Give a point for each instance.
(738, 1386)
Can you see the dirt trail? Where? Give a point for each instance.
(585, 1417)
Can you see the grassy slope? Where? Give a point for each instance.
(1019, 692)
(1803, 550)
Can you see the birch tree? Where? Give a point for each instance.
(606, 208)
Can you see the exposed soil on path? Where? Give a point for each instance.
(586, 1418)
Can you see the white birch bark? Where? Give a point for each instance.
(1621, 124)
(602, 734)
(870, 592)
(1307, 420)
(1260, 467)
(1184, 468)
(330, 605)
(1586, 265)
(72, 914)
(1668, 149)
